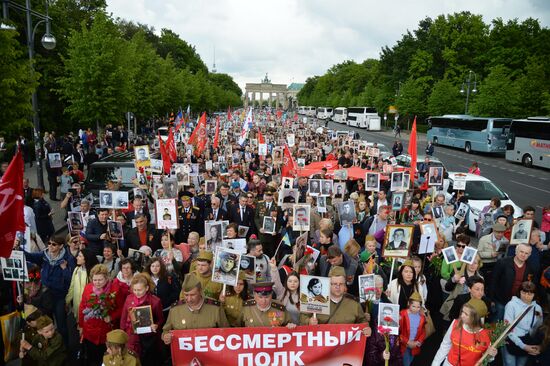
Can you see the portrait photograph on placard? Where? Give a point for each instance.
(321, 204)
(326, 187)
(301, 162)
(339, 190)
(213, 234)
(76, 223)
(468, 255)
(242, 231)
(278, 155)
(346, 212)
(314, 294)
(248, 267)
(521, 232)
(106, 199)
(397, 201)
(462, 211)
(170, 187)
(435, 177)
(372, 182)
(141, 318)
(373, 151)
(225, 224)
(406, 181)
(287, 182)
(262, 149)
(210, 187)
(367, 288)
(14, 268)
(341, 174)
(301, 215)
(290, 195)
(398, 240)
(238, 245)
(120, 199)
(388, 317)
(396, 181)
(115, 229)
(437, 212)
(314, 187)
(450, 255)
(156, 166)
(166, 213)
(226, 266)
(135, 255)
(268, 225)
(142, 156)
(54, 159)
(459, 182)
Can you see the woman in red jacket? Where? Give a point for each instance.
(143, 341)
(411, 329)
(99, 313)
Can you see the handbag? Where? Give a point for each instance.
(513, 349)
(429, 326)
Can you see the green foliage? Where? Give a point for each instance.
(498, 95)
(182, 53)
(445, 98)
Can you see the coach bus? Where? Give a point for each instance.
(340, 115)
(528, 142)
(481, 134)
(324, 113)
(364, 117)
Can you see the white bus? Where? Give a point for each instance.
(364, 117)
(310, 111)
(340, 115)
(528, 142)
(324, 113)
(301, 109)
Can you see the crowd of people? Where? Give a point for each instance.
(90, 284)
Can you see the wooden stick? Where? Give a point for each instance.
(278, 246)
(392, 268)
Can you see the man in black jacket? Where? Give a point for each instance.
(215, 212)
(143, 234)
(507, 277)
(96, 231)
(243, 215)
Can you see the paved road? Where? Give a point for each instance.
(525, 186)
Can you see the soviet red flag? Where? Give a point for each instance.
(289, 168)
(11, 204)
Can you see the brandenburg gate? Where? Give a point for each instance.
(277, 92)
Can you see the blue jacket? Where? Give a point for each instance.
(528, 323)
(52, 275)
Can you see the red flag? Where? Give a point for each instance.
(199, 137)
(11, 204)
(166, 163)
(295, 117)
(412, 150)
(229, 116)
(289, 168)
(217, 135)
(261, 138)
(171, 146)
(279, 114)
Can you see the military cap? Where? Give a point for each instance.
(499, 227)
(336, 271)
(269, 190)
(117, 336)
(43, 322)
(205, 255)
(32, 312)
(185, 195)
(263, 288)
(190, 282)
(415, 297)
(479, 306)
(409, 263)
(242, 276)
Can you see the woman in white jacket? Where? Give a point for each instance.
(517, 352)
(401, 288)
(85, 260)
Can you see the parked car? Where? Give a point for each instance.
(404, 160)
(479, 191)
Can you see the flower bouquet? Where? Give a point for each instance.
(99, 306)
(386, 333)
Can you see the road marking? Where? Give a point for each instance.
(527, 185)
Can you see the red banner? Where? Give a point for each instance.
(333, 344)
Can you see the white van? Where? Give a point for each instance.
(310, 111)
(340, 115)
(324, 113)
(364, 117)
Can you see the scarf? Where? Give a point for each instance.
(103, 290)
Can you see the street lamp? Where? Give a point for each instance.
(48, 42)
(467, 83)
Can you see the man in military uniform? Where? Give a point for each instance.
(190, 219)
(117, 353)
(194, 311)
(344, 308)
(203, 272)
(267, 207)
(263, 311)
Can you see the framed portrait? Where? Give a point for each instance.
(238, 245)
(339, 190)
(142, 156)
(427, 244)
(367, 288)
(291, 139)
(242, 231)
(372, 182)
(396, 181)
(14, 268)
(435, 176)
(193, 170)
(437, 212)
(139, 192)
(300, 214)
(156, 166)
(55, 160)
(397, 201)
(208, 165)
(226, 266)
(388, 317)
(213, 234)
(346, 212)
(373, 151)
(248, 267)
(398, 240)
(287, 182)
(222, 169)
(278, 155)
(321, 204)
(326, 187)
(459, 182)
(225, 224)
(428, 228)
(115, 229)
(262, 149)
(301, 162)
(462, 211)
(341, 174)
(314, 187)
(210, 187)
(314, 295)
(449, 254)
(166, 213)
(76, 223)
(469, 255)
(170, 187)
(120, 199)
(268, 225)
(106, 199)
(521, 232)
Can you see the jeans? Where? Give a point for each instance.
(407, 357)
(499, 312)
(511, 360)
(61, 318)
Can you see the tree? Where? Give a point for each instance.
(498, 95)
(412, 97)
(444, 99)
(184, 55)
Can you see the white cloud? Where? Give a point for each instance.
(295, 39)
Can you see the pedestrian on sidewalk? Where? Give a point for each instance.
(430, 149)
(397, 130)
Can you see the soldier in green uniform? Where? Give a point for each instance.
(202, 270)
(190, 218)
(29, 332)
(193, 312)
(117, 353)
(263, 311)
(47, 349)
(233, 300)
(344, 308)
(267, 207)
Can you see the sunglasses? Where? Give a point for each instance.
(53, 243)
(461, 246)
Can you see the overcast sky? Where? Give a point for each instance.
(294, 39)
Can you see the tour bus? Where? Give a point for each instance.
(340, 115)
(324, 113)
(481, 134)
(364, 117)
(310, 111)
(528, 142)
